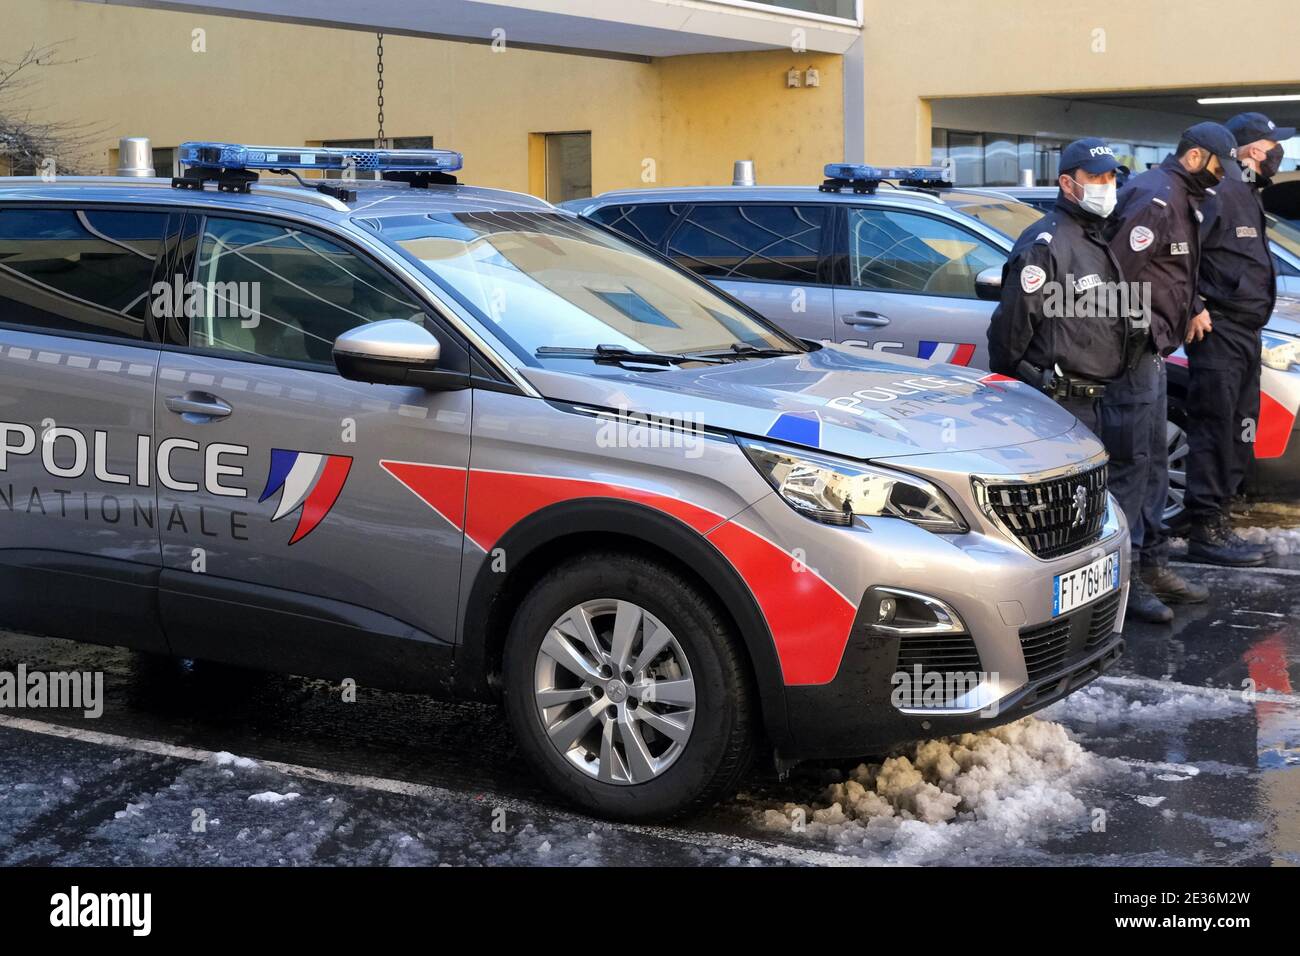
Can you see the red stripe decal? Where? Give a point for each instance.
(323, 496)
(965, 352)
(441, 487)
(498, 500)
(1275, 425)
(810, 621)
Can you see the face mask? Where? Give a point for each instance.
(1271, 163)
(1098, 199)
(1206, 179)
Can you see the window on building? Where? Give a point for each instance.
(164, 162)
(73, 270)
(893, 251)
(568, 166)
(762, 241)
(843, 9)
(280, 293)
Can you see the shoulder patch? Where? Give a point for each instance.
(1032, 279)
(1140, 239)
(1043, 237)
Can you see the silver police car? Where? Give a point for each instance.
(455, 440)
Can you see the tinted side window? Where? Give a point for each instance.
(646, 223)
(779, 243)
(277, 292)
(892, 251)
(73, 270)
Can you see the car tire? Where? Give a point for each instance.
(622, 767)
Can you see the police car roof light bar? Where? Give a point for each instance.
(865, 179)
(232, 165)
(235, 156)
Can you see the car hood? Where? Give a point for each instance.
(835, 399)
(1286, 316)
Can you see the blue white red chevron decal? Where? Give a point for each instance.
(305, 481)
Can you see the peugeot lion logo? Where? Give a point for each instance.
(1080, 505)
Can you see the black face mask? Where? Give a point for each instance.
(1271, 162)
(1204, 178)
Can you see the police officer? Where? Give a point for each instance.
(1053, 327)
(1238, 287)
(1155, 236)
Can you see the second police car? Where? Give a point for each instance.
(449, 439)
(906, 262)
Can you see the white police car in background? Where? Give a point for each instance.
(897, 259)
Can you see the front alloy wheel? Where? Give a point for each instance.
(614, 691)
(1176, 439)
(627, 687)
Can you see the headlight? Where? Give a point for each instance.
(832, 490)
(1279, 351)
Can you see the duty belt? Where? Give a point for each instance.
(1058, 385)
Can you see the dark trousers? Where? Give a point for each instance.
(1222, 415)
(1131, 422)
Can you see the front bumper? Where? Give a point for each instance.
(853, 716)
(1023, 653)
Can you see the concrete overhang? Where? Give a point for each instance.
(634, 28)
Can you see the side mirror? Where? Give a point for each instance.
(394, 352)
(988, 284)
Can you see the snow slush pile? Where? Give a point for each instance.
(975, 792)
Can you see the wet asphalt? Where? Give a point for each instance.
(1196, 773)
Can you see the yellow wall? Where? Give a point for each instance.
(997, 47)
(137, 74)
(722, 107)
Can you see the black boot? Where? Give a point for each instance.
(1213, 541)
(1144, 605)
(1172, 589)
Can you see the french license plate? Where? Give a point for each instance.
(1074, 589)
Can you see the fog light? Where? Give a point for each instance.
(885, 612)
(908, 612)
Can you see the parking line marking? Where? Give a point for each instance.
(694, 838)
(1262, 569)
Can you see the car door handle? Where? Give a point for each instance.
(865, 318)
(197, 406)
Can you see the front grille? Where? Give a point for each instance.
(938, 652)
(1050, 647)
(946, 654)
(1103, 619)
(1045, 515)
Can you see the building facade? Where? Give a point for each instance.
(565, 97)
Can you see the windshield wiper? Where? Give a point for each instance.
(740, 350)
(617, 354)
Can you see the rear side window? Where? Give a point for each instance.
(276, 292)
(778, 243)
(646, 223)
(78, 270)
(892, 251)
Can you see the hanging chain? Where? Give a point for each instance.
(379, 84)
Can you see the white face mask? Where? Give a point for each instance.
(1099, 199)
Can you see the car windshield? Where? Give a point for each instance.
(547, 279)
(1008, 216)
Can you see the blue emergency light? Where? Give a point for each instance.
(864, 178)
(233, 156)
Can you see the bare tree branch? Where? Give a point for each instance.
(26, 139)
